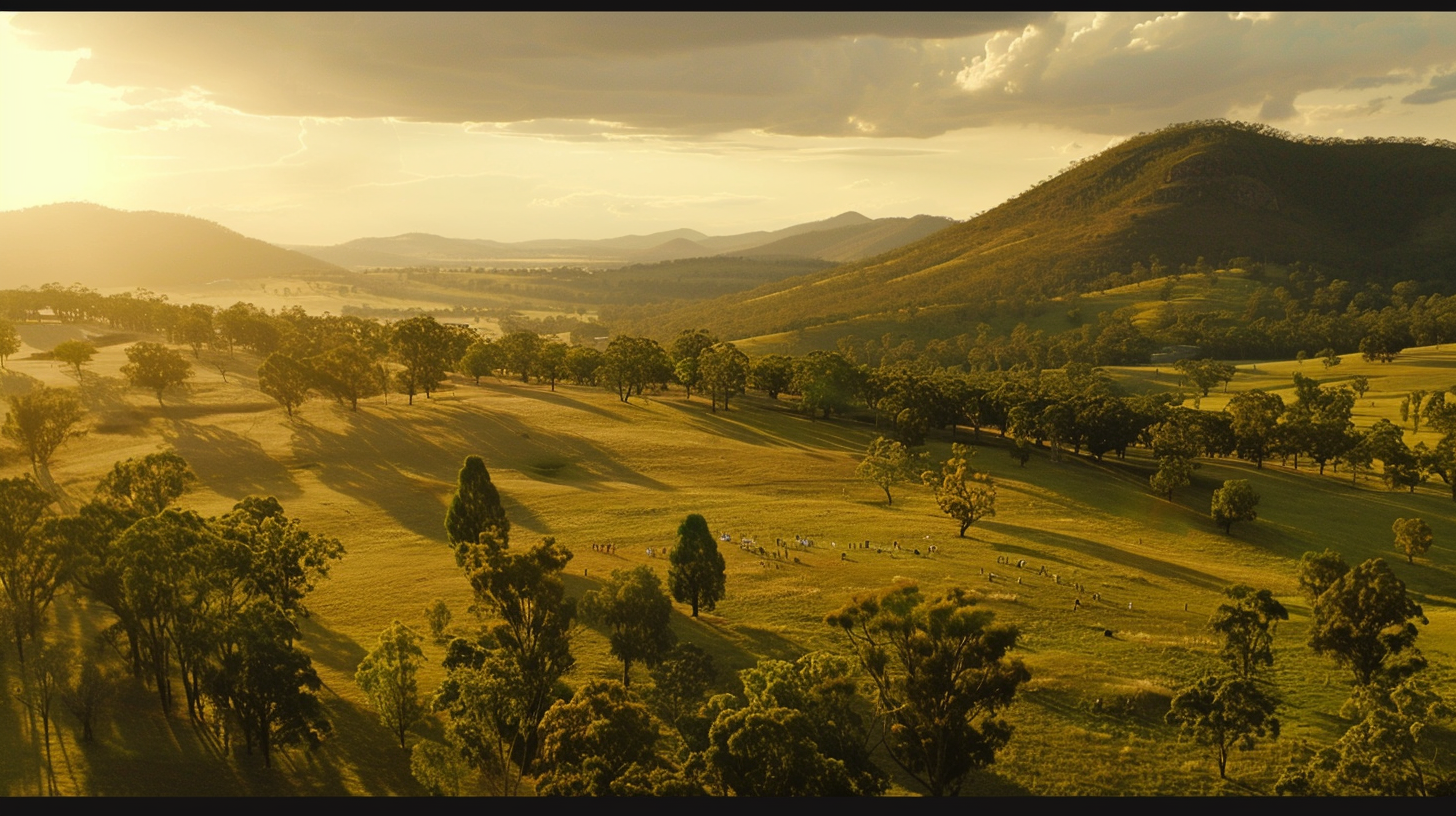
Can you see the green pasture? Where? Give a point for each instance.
(586, 468)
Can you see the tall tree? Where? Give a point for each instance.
(1246, 621)
(887, 463)
(593, 740)
(1225, 713)
(1235, 501)
(155, 367)
(697, 575)
(524, 592)
(389, 675)
(723, 371)
(1366, 622)
(424, 348)
(286, 380)
(9, 340)
(941, 674)
(475, 509)
(32, 564)
(74, 353)
(41, 421)
(1413, 537)
(963, 493)
(635, 610)
(273, 686)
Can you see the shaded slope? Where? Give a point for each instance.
(101, 247)
(1217, 190)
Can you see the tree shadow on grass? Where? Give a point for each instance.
(562, 399)
(1108, 554)
(230, 464)
(746, 424)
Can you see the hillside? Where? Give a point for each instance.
(1362, 210)
(100, 247)
(580, 465)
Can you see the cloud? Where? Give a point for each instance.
(595, 77)
(1440, 89)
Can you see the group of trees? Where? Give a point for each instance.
(1363, 619)
(940, 669)
(210, 602)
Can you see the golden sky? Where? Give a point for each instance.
(319, 128)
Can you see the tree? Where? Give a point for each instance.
(437, 617)
(286, 380)
(1385, 752)
(146, 486)
(723, 371)
(154, 366)
(475, 510)
(1174, 473)
(524, 592)
(941, 674)
(963, 493)
(74, 353)
(772, 752)
(594, 739)
(886, 464)
(346, 372)
(679, 682)
(1246, 621)
(389, 674)
(272, 685)
(9, 340)
(480, 359)
(772, 374)
(1224, 713)
(41, 421)
(1413, 537)
(1235, 501)
(636, 612)
(519, 351)
(1365, 621)
(423, 347)
(32, 563)
(88, 690)
(697, 572)
(1255, 416)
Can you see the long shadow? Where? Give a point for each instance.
(561, 399)
(1111, 555)
(734, 646)
(362, 465)
(746, 424)
(230, 464)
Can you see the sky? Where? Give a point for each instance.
(321, 128)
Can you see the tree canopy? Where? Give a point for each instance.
(697, 575)
(155, 367)
(635, 610)
(941, 674)
(41, 421)
(963, 493)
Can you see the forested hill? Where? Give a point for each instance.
(100, 247)
(1219, 190)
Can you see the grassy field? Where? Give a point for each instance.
(588, 469)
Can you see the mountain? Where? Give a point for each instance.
(101, 248)
(1361, 210)
(853, 242)
(844, 232)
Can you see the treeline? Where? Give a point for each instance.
(212, 603)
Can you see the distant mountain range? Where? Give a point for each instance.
(1359, 210)
(845, 237)
(104, 248)
(101, 248)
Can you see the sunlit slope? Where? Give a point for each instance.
(588, 469)
(101, 247)
(1217, 191)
